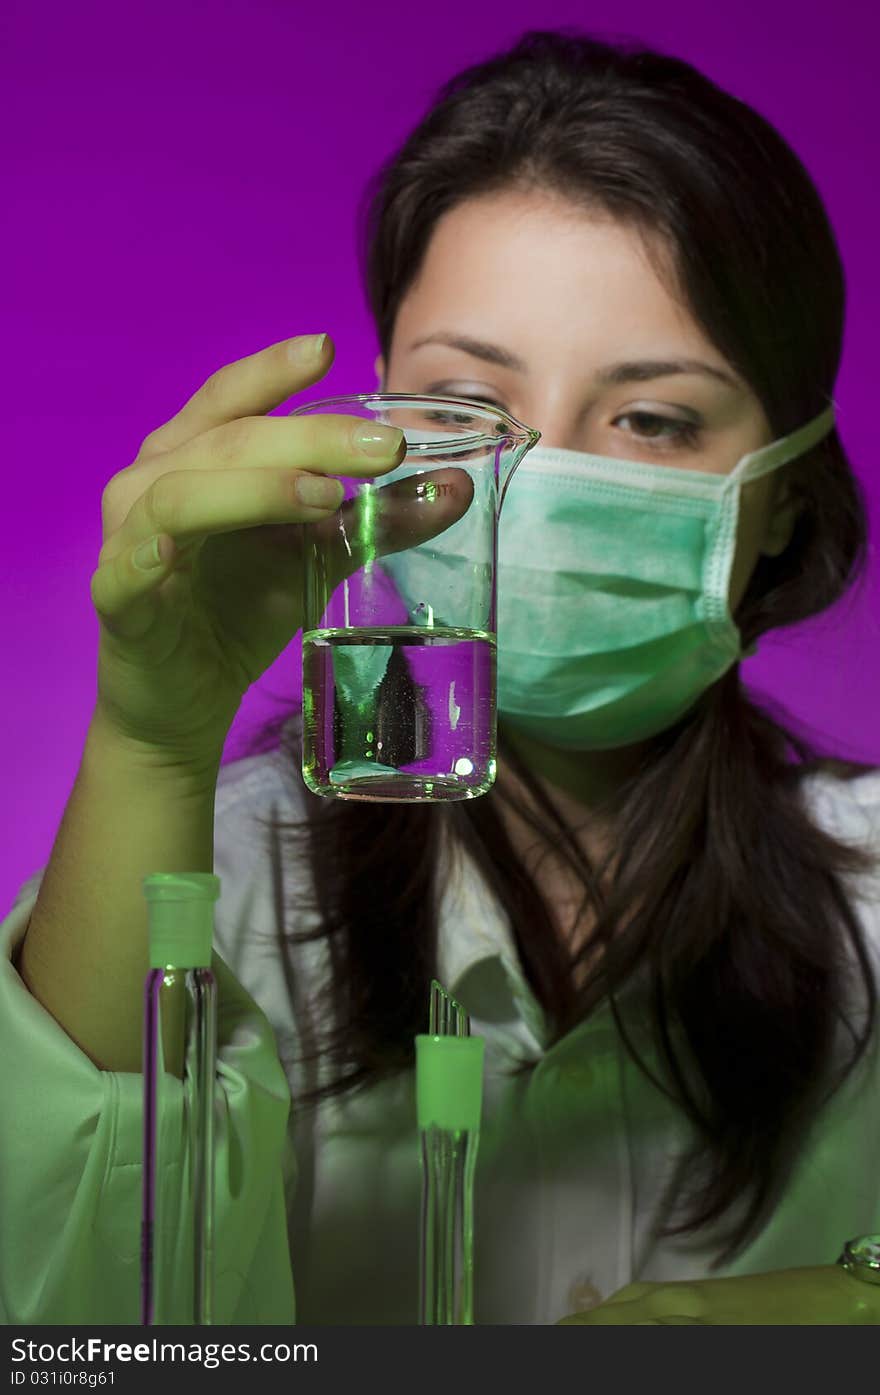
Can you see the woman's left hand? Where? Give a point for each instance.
(823, 1294)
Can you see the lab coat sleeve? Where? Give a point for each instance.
(71, 1164)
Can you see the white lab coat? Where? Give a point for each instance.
(573, 1157)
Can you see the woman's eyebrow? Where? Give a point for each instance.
(642, 370)
(478, 348)
(637, 371)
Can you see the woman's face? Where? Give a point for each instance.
(555, 303)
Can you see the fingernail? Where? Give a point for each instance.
(307, 345)
(148, 556)
(376, 440)
(319, 493)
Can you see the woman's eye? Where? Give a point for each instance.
(651, 427)
(463, 418)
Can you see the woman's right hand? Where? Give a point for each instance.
(219, 485)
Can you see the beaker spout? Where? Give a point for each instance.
(512, 454)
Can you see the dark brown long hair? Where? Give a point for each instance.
(728, 896)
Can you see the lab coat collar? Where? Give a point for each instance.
(473, 927)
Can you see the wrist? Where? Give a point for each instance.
(109, 748)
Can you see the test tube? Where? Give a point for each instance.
(449, 1079)
(180, 1022)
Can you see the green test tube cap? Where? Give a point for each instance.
(449, 1081)
(181, 918)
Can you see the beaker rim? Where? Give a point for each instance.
(518, 432)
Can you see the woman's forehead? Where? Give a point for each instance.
(532, 269)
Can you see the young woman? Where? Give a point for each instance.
(664, 916)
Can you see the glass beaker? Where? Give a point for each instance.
(399, 595)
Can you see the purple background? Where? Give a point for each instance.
(180, 186)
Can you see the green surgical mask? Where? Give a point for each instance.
(613, 576)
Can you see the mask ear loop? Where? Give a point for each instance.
(787, 448)
(782, 452)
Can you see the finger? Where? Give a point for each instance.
(675, 1320)
(390, 519)
(183, 509)
(617, 1315)
(124, 590)
(635, 1290)
(174, 484)
(247, 387)
(327, 443)
(635, 1314)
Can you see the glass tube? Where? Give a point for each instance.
(449, 1065)
(180, 1035)
(447, 1257)
(195, 1298)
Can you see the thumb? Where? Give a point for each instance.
(378, 522)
